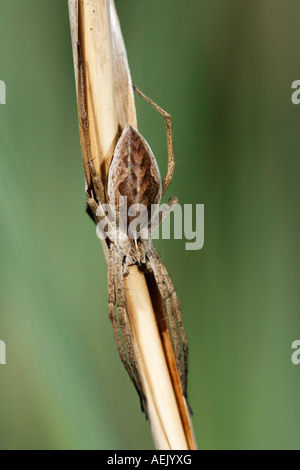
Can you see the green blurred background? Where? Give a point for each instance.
(223, 69)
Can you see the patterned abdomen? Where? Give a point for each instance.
(134, 172)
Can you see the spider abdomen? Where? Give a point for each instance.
(134, 172)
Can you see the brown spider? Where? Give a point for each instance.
(134, 174)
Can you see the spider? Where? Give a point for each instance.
(134, 174)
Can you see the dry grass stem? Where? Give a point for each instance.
(110, 106)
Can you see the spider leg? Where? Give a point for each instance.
(125, 330)
(116, 296)
(90, 171)
(160, 217)
(97, 213)
(113, 297)
(112, 313)
(169, 296)
(171, 162)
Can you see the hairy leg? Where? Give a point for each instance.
(160, 217)
(112, 315)
(171, 162)
(125, 329)
(169, 296)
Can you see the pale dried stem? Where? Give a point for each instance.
(167, 428)
(110, 107)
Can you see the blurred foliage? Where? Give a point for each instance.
(224, 71)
